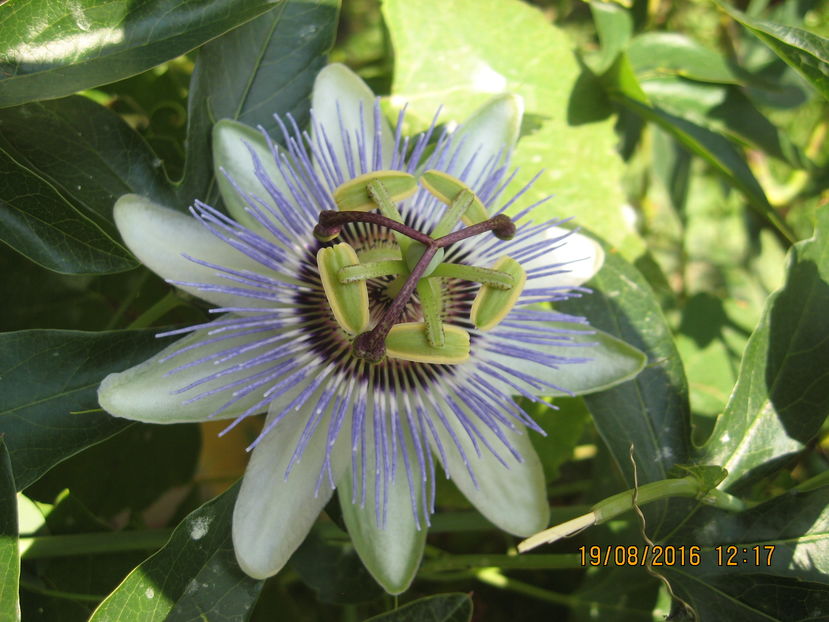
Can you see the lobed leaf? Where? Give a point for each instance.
(458, 63)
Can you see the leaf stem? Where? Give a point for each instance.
(448, 562)
(169, 302)
(68, 545)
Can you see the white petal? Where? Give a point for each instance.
(514, 499)
(145, 393)
(491, 132)
(231, 140)
(273, 515)
(339, 93)
(580, 258)
(391, 553)
(160, 238)
(610, 361)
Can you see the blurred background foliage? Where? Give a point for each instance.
(724, 164)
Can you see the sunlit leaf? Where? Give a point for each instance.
(651, 411)
(459, 62)
(782, 393)
(50, 48)
(194, 576)
(772, 562)
(806, 51)
(9, 556)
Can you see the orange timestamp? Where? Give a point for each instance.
(653, 555)
(670, 555)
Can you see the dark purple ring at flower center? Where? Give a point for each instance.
(371, 345)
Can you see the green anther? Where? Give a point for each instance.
(384, 253)
(415, 252)
(455, 212)
(372, 270)
(447, 189)
(492, 305)
(486, 276)
(408, 342)
(348, 302)
(428, 290)
(354, 194)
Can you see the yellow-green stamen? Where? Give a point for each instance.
(491, 305)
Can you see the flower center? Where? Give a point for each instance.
(419, 270)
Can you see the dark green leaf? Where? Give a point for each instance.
(194, 577)
(782, 392)
(86, 574)
(806, 51)
(40, 222)
(614, 25)
(50, 48)
(9, 556)
(778, 570)
(143, 462)
(48, 384)
(618, 593)
(328, 563)
(84, 157)
(440, 608)
(651, 411)
(564, 428)
(659, 53)
(86, 151)
(264, 68)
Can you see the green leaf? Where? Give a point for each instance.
(51, 49)
(264, 68)
(39, 222)
(651, 412)
(440, 608)
(792, 585)
(660, 53)
(805, 51)
(782, 393)
(328, 563)
(49, 381)
(714, 149)
(80, 568)
(143, 462)
(724, 109)
(459, 62)
(614, 25)
(9, 555)
(564, 427)
(193, 577)
(83, 157)
(618, 593)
